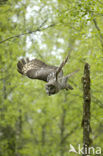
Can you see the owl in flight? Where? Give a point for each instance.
(36, 69)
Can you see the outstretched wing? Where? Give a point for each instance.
(35, 69)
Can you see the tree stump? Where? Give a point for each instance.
(86, 110)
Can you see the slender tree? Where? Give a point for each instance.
(86, 110)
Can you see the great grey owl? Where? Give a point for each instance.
(36, 69)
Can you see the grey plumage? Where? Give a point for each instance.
(36, 69)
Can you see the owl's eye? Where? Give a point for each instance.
(52, 87)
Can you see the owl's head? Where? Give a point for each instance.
(51, 88)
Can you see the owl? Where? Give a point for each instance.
(52, 75)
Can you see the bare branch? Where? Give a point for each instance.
(99, 31)
(100, 2)
(29, 32)
(68, 134)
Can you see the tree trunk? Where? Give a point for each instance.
(86, 110)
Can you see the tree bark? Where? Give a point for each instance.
(62, 130)
(86, 110)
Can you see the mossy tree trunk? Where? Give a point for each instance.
(86, 110)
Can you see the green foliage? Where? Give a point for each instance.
(32, 123)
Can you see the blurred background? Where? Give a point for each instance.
(31, 122)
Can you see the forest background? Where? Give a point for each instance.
(31, 122)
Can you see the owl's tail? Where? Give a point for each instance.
(21, 64)
(71, 74)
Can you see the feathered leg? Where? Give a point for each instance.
(65, 79)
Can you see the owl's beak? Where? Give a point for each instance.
(48, 92)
